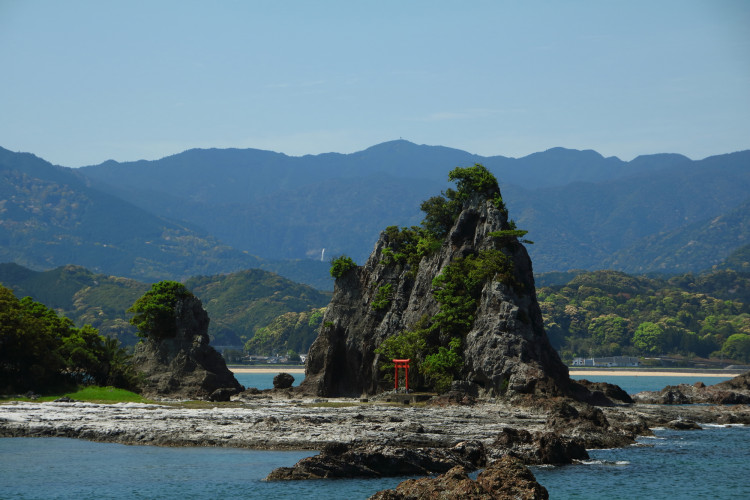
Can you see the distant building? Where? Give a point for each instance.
(608, 362)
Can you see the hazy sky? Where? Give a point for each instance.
(85, 81)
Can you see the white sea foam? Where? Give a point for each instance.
(605, 462)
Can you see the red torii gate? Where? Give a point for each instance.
(402, 363)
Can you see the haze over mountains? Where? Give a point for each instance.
(214, 211)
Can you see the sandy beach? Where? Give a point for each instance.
(650, 373)
(265, 369)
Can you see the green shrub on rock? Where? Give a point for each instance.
(382, 300)
(155, 310)
(341, 265)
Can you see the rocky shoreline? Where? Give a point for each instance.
(449, 436)
(280, 423)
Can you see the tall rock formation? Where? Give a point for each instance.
(185, 366)
(505, 351)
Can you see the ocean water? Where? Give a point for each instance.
(710, 463)
(633, 384)
(630, 383)
(71, 469)
(264, 380)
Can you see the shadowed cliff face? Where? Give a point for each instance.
(505, 352)
(185, 366)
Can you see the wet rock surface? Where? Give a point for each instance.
(733, 391)
(504, 479)
(340, 461)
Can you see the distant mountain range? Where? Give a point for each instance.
(218, 211)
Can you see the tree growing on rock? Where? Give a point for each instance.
(154, 312)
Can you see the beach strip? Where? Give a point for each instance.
(648, 373)
(593, 373)
(265, 369)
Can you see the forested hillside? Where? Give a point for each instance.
(50, 217)
(238, 304)
(608, 313)
(241, 303)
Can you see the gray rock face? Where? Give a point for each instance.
(506, 352)
(185, 366)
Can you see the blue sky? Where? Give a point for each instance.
(85, 81)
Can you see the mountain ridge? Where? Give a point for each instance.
(580, 207)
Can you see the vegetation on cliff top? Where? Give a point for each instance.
(341, 265)
(154, 311)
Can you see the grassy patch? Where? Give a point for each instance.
(90, 394)
(96, 394)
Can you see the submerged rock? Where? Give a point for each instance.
(185, 366)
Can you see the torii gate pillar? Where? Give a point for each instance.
(402, 363)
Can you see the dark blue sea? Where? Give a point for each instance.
(710, 463)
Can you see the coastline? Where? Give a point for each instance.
(577, 371)
(600, 372)
(265, 369)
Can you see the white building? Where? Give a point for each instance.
(608, 362)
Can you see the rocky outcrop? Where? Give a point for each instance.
(185, 366)
(599, 393)
(341, 461)
(537, 448)
(506, 351)
(733, 391)
(283, 381)
(505, 479)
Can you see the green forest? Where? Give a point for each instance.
(39, 349)
(609, 313)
